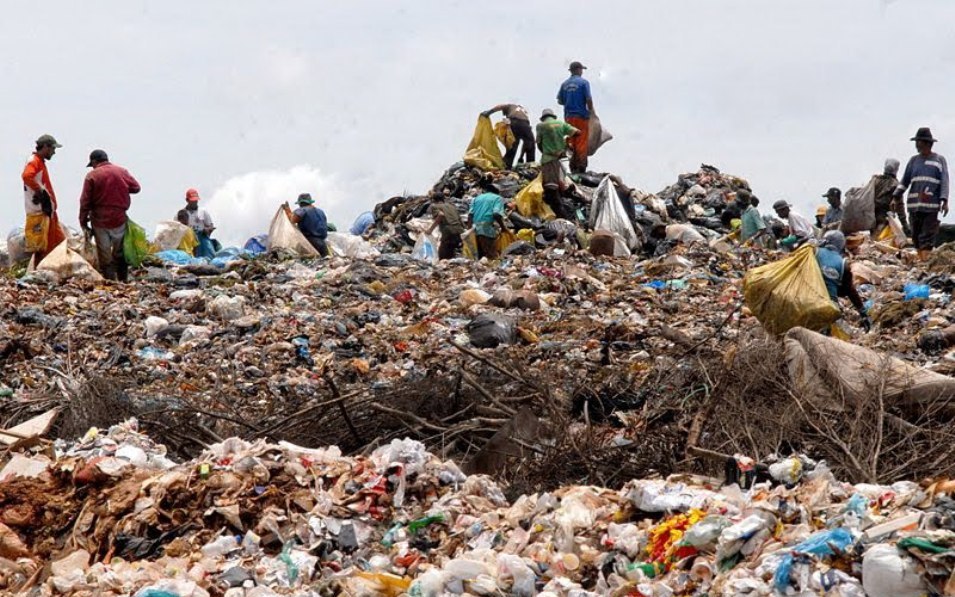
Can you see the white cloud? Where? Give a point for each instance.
(244, 205)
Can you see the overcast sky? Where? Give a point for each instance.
(253, 102)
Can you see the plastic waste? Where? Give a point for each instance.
(858, 209)
(65, 263)
(886, 572)
(490, 330)
(285, 236)
(706, 532)
(228, 308)
(154, 324)
(169, 235)
(916, 291)
(826, 543)
(135, 244)
(530, 201)
(425, 249)
(221, 546)
(483, 151)
(607, 213)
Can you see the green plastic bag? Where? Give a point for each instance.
(135, 245)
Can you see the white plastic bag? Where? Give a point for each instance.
(285, 236)
(898, 233)
(349, 245)
(169, 235)
(607, 213)
(425, 249)
(888, 573)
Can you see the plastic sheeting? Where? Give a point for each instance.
(607, 213)
(483, 151)
(425, 249)
(257, 244)
(285, 236)
(66, 263)
(790, 293)
(858, 210)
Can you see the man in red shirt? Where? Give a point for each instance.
(103, 205)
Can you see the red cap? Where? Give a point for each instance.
(192, 195)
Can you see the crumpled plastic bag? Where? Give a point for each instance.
(607, 213)
(888, 573)
(483, 151)
(349, 245)
(64, 263)
(490, 330)
(169, 235)
(504, 134)
(425, 249)
(790, 293)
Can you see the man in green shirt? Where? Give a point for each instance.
(448, 221)
(752, 225)
(552, 135)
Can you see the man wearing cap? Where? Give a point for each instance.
(201, 223)
(103, 206)
(311, 221)
(800, 230)
(520, 124)
(575, 97)
(552, 140)
(834, 213)
(926, 178)
(885, 185)
(42, 231)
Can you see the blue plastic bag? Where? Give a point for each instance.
(257, 244)
(175, 257)
(825, 543)
(916, 291)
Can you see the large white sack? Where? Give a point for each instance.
(285, 236)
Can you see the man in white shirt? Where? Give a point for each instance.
(200, 222)
(800, 229)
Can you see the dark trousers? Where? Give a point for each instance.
(319, 244)
(449, 245)
(109, 253)
(523, 135)
(487, 246)
(924, 228)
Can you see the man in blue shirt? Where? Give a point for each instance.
(574, 96)
(312, 223)
(926, 178)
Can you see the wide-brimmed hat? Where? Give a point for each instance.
(782, 203)
(924, 134)
(305, 199)
(548, 113)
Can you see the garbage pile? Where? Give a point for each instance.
(109, 514)
(704, 201)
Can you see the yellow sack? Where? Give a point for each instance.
(483, 151)
(504, 134)
(189, 242)
(469, 245)
(530, 201)
(504, 240)
(527, 235)
(35, 233)
(790, 293)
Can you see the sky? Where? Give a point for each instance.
(252, 103)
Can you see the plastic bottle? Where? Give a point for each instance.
(417, 525)
(220, 547)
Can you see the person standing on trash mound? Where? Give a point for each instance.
(103, 206)
(837, 273)
(448, 221)
(926, 178)
(201, 223)
(311, 222)
(578, 103)
(42, 231)
(520, 124)
(885, 202)
(486, 214)
(552, 139)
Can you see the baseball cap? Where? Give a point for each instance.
(96, 156)
(48, 140)
(833, 192)
(192, 195)
(575, 64)
(781, 204)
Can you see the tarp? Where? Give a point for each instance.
(285, 236)
(597, 135)
(858, 210)
(530, 201)
(790, 293)
(66, 263)
(483, 151)
(607, 213)
(822, 368)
